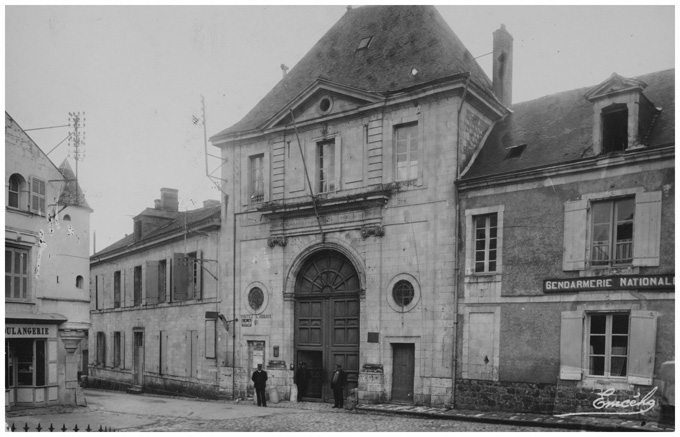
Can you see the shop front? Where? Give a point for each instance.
(31, 362)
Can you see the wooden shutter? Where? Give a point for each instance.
(151, 282)
(199, 273)
(180, 276)
(337, 171)
(642, 347)
(122, 349)
(575, 225)
(571, 345)
(130, 287)
(647, 229)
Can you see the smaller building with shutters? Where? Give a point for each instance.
(150, 292)
(567, 280)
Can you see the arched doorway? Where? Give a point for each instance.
(327, 321)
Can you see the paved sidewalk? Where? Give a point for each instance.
(584, 423)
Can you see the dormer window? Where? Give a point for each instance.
(615, 128)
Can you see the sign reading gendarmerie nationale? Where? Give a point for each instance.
(603, 283)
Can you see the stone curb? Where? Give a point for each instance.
(548, 422)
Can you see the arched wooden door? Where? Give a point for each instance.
(327, 321)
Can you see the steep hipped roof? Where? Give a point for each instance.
(188, 219)
(403, 37)
(71, 193)
(559, 128)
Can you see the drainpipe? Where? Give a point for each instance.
(456, 269)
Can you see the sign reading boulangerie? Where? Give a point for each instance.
(605, 283)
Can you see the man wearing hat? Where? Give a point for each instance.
(338, 381)
(260, 380)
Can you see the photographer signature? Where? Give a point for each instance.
(603, 401)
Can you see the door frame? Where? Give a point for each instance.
(388, 366)
(412, 351)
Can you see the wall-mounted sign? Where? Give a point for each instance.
(605, 283)
(246, 322)
(30, 331)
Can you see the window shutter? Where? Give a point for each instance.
(122, 349)
(571, 347)
(642, 347)
(180, 277)
(338, 163)
(647, 229)
(110, 354)
(151, 282)
(575, 225)
(187, 356)
(199, 273)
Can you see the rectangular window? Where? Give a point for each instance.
(16, 273)
(116, 289)
(612, 231)
(615, 128)
(29, 358)
(326, 166)
(116, 349)
(101, 349)
(406, 144)
(162, 279)
(138, 286)
(486, 242)
(608, 344)
(37, 195)
(256, 178)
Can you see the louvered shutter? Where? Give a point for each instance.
(180, 276)
(151, 284)
(642, 347)
(199, 274)
(122, 349)
(571, 346)
(647, 229)
(337, 171)
(575, 225)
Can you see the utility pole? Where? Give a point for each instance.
(77, 142)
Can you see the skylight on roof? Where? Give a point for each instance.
(515, 151)
(364, 43)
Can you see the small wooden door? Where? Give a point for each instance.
(138, 361)
(403, 359)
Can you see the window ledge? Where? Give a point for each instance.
(609, 271)
(606, 383)
(477, 278)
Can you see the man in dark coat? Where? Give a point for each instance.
(301, 378)
(338, 381)
(260, 380)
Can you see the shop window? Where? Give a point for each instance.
(16, 273)
(37, 196)
(486, 243)
(615, 128)
(407, 151)
(29, 360)
(138, 285)
(116, 289)
(603, 231)
(326, 158)
(612, 230)
(101, 349)
(618, 344)
(256, 178)
(608, 345)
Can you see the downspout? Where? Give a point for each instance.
(456, 269)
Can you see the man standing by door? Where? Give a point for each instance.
(260, 380)
(337, 385)
(301, 378)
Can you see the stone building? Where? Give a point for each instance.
(150, 292)
(47, 223)
(339, 224)
(566, 273)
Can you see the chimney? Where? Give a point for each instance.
(502, 65)
(169, 199)
(210, 202)
(284, 69)
(157, 204)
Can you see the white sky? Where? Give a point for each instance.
(138, 73)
